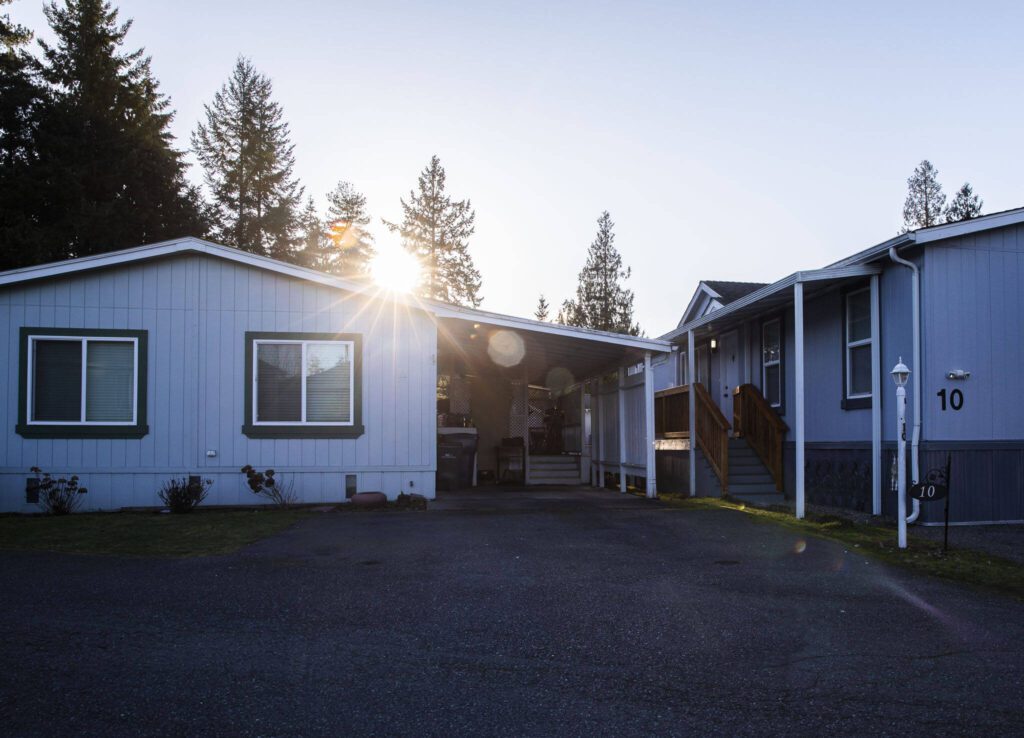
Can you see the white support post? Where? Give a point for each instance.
(585, 472)
(652, 467)
(691, 376)
(622, 428)
(876, 400)
(600, 434)
(526, 426)
(798, 372)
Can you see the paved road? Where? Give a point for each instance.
(559, 613)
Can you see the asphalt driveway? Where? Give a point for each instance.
(552, 613)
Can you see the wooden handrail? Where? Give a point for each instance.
(712, 435)
(756, 421)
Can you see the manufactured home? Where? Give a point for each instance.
(189, 358)
(787, 389)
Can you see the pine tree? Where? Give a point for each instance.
(245, 149)
(964, 205)
(347, 220)
(437, 229)
(925, 199)
(316, 246)
(541, 313)
(601, 302)
(104, 174)
(21, 96)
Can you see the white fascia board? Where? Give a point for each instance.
(966, 227)
(815, 275)
(702, 289)
(442, 310)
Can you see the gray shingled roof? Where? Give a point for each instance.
(732, 291)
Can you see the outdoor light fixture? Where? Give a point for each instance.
(900, 375)
(958, 374)
(714, 344)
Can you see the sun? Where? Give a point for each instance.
(395, 269)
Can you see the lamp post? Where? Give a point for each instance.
(900, 374)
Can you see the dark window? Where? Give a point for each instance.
(771, 361)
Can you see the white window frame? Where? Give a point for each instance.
(85, 341)
(847, 380)
(254, 379)
(776, 362)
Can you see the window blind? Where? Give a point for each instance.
(328, 383)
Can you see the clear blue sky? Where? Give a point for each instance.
(728, 140)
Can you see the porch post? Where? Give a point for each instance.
(691, 376)
(622, 428)
(526, 425)
(600, 434)
(652, 467)
(798, 372)
(876, 401)
(585, 450)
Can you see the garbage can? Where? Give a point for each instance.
(456, 457)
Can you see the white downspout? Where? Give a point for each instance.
(915, 442)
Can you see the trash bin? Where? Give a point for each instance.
(456, 457)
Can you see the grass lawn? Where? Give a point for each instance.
(922, 556)
(198, 533)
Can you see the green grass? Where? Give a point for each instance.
(199, 533)
(922, 556)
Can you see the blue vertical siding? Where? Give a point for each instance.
(197, 310)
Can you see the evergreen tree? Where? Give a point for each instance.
(437, 229)
(20, 98)
(601, 302)
(964, 205)
(541, 313)
(316, 246)
(245, 149)
(925, 199)
(347, 220)
(104, 174)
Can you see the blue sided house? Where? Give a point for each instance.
(786, 386)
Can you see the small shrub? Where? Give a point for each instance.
(58, 496)
(266, 484)
(411, 502)
(181, 495)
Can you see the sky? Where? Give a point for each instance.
(740, 141)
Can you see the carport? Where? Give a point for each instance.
(502, 375)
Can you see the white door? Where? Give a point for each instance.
(729, 371)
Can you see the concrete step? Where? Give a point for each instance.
(555, 467)
(738, 487)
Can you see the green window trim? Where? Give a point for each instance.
(355, 430)
(138, 429)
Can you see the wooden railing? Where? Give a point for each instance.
(756, 421)
(712, 435)
(672, 413)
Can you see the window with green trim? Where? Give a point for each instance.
(82, 383)
(302, 385)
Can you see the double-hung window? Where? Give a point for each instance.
(771, 361)
(858, 340)
(302, 385)
(82, 383)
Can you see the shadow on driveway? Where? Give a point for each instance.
(560, 611)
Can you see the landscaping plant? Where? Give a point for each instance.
(58, 496)
(265, 484)
(181, 495)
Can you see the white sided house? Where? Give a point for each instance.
(189, 358)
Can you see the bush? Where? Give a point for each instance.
(411, 502)
(265, 484)
(58, 496)
(181, 495)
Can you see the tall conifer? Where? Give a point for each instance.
(437, 229)
(925, 200)
(245, 149)
(601, 301)
(347, 219)
(964, 205)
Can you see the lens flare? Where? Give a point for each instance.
(506, 348)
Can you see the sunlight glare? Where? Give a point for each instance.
(395, 269)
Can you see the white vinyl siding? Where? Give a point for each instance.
(74, 380)
(303, 382)
(858, 340)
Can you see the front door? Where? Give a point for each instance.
(729, 371)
